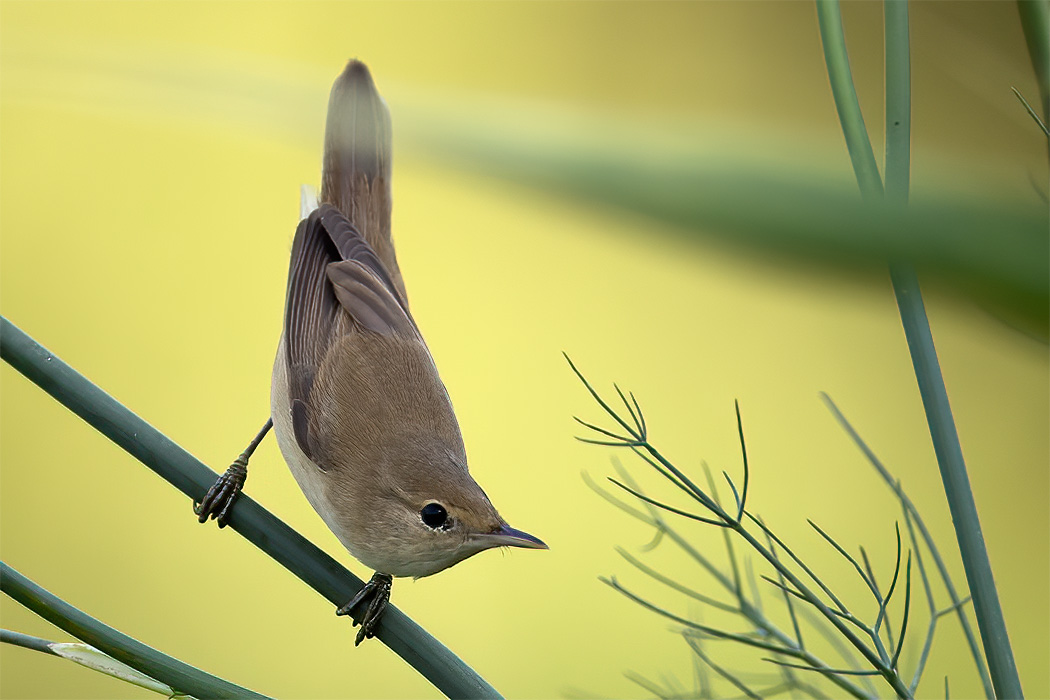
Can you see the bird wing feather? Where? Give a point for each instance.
(337, 286)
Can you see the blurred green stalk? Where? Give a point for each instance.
(1035, 22)
(423, 652)
(186, 679)
(992, 251)
(913, 313)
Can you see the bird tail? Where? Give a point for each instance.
(357, 160)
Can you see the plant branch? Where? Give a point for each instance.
(671, 583)
(927, 539)
(180, 676)
(762, 624)
(318, 570)
(849, 558)
(736, 682)
(836, 671)
(907, 609)
(727, 537)
(743, 453)
(26, 641)
(1031, 112)
(664, 506)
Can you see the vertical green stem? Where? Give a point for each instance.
(913, 313)
(928, 373)
(898, 103)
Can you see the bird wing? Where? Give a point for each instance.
(336, 286)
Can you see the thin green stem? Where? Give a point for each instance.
(181, 469)
(182, 677)
(927, 539)
(907, 610)
(1031, 112)
(839, 605)
(749, 611)
(884, 603)
(836, 642)
(705, 629)
(787, 597)
(849, 558)
(648, 685)
(736, 682)
(887, 673)
(664, 506)
(681, 588)
(839, 671)
(743, 453)
(727, 537)
(934, 394)
(861, 154)
(26, 641)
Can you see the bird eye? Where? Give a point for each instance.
(434, 515)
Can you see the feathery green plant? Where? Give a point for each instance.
(870, 648)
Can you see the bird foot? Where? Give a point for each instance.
(220, 497)
(378, 589)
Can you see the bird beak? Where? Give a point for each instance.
(506, 536)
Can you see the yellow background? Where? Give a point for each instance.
(150, 159)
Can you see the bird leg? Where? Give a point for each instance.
(378, 589)
(220, 497)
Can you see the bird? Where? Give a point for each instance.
(360, 413)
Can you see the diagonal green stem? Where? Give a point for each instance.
(181, 676)
(26, 641)
(913, 313)
(321, 572)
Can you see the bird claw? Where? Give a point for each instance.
(221, 496)
(377, 593)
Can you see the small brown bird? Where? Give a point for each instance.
(360, 413)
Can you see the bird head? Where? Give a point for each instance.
(434, 516)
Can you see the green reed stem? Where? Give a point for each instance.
(180, 676)
(423, 652)
(26, 641)
(913, 312)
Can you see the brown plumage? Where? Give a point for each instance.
(359, 410)
(355, 176)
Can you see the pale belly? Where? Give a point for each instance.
(306, 473)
